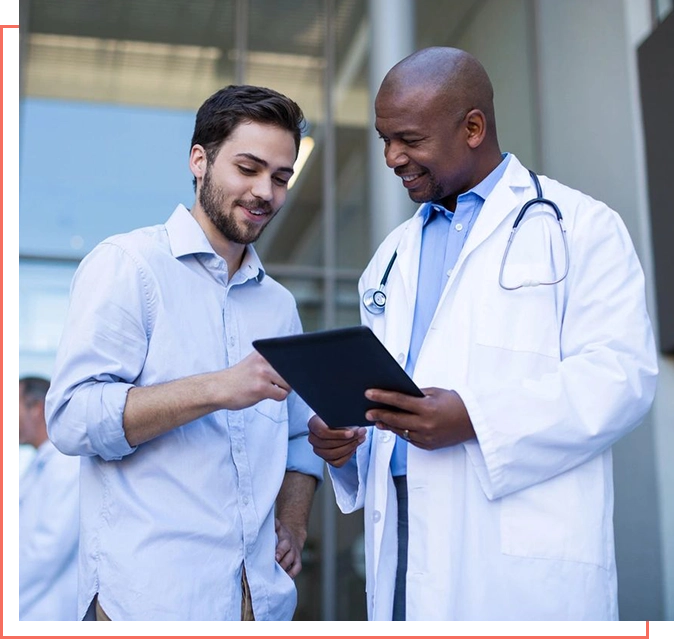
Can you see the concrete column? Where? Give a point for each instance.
(392, 29)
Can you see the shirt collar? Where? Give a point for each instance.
(186, 237)
(481, 190)
(251, 266)
(484, 188)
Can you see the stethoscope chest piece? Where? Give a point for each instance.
(374, 300)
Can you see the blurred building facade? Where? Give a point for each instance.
(109, 92)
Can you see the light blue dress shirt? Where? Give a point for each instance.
(168, 525)
(442, 238)
(49, 526)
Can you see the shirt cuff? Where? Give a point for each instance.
(105, 419)
(302, 459)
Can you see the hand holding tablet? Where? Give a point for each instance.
(331, 370)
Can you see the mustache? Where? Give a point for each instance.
(258, 205)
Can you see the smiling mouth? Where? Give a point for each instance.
(410, 178)
(255, 211)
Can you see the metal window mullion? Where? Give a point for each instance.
(241, 40)
(329, 512)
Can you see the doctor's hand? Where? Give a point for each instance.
(438, 420)
(334, 445)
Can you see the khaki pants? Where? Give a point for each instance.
(100, 613)
(246, 603)
(246, 600)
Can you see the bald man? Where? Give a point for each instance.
(491, 497)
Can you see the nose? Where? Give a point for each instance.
(395, 155)
(262, 189)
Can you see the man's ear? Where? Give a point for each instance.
(476, 128)
(198, 161)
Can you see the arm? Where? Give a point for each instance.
(531, 428)
(153, 410)
(93, 406)
(293, 505)
(567, 404)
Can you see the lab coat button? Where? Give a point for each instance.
(376, 516)
(401, 358)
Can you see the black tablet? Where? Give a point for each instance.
(331, 370)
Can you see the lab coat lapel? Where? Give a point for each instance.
(402, 294)
(498, 206)
(505, 199)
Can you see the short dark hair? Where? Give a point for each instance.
(34, 388)
(220, 114)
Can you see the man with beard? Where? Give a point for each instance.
(197, 477)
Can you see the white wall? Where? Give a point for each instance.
(499, 35)
(590, 139)
(639, 24)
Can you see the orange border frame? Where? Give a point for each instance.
(8, 598)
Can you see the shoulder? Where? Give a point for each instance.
(279, 307)
(144, 241)
(392, 243)
(138, 247)
(277, 294)
(576, 206)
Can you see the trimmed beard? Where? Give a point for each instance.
(212, 200)
(435, 190)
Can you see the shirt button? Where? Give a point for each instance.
(385, 436)
(376, 516)
(401, 358)
(459, 226)
(245, 501)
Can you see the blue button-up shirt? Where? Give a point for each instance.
(443, 235)
(167, 526)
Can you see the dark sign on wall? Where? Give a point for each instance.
(656, 76)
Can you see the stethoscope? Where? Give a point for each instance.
(374, 299)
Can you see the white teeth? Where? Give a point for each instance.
(409, 178)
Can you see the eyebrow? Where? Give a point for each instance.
(254, 158)
(402, 133)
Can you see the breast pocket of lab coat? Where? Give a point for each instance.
(525, 320)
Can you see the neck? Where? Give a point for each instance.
(488, 163)
(229, 251)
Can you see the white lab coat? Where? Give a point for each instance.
(516, 524)
(48, 536)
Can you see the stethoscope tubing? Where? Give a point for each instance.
(374, 300)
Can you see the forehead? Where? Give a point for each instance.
(274, 145)
(399, 109)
